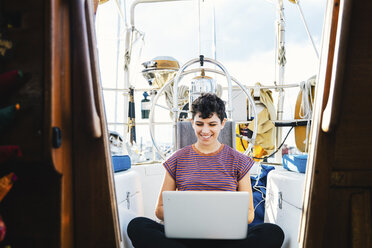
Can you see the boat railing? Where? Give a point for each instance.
(291, 85)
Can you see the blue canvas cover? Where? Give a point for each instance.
(121, 162)
(295, 163)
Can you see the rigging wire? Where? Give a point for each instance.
(307, 28)
(119, 9)
(199, 36)
(214, 48)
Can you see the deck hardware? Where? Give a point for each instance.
(56, 137)
(128, 200)
(201, 60)
(280, 200)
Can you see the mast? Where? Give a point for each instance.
(279, 77)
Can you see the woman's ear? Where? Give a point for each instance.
(223, 123)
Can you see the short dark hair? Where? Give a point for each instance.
(207, 104)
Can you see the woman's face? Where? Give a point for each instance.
(207, 130)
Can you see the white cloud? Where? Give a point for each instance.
(302, 62)
(260, 67)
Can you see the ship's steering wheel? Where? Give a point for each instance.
(175, 110)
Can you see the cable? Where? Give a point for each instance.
(242, 143)
(257, 188)
(278, 147)
(241, 140)
(258, 204)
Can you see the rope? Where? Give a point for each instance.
(306, 104)
(136, 36)
(183, 96)
(306, 108)
(281, 57)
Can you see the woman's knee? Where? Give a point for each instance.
(136, 224)
(267, 235)
(279, 232)
(276, 233)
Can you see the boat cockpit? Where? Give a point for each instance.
(145, 132)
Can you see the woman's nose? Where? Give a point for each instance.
(205, 129)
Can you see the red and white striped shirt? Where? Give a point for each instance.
(221, 170)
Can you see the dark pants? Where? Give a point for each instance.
(146, 233)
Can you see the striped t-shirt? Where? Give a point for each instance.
(221, 170)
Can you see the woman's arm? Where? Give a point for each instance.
(168, 185)
(245, 185)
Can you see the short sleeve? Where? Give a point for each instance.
(244, 165)
(171, 165)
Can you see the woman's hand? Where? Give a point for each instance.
(168, 185)
(245, 185)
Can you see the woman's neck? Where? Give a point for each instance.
(208, 148)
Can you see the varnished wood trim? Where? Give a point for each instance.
(98, 99)
(59, 108)
(351, 178)
(96, 218)
(83, 55)
(317, 174)
(361, 222)
(332, 110)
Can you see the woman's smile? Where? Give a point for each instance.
(206, 136)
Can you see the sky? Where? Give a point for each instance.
(245, 42)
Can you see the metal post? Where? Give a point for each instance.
(281, 60)
(127, 54)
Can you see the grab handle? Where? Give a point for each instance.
(332, 110)
(83, 61)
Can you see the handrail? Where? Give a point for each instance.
(332, 110)
(294, 85)
(82, 59)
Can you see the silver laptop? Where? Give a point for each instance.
(206, 214)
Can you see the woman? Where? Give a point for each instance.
(205, 165)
